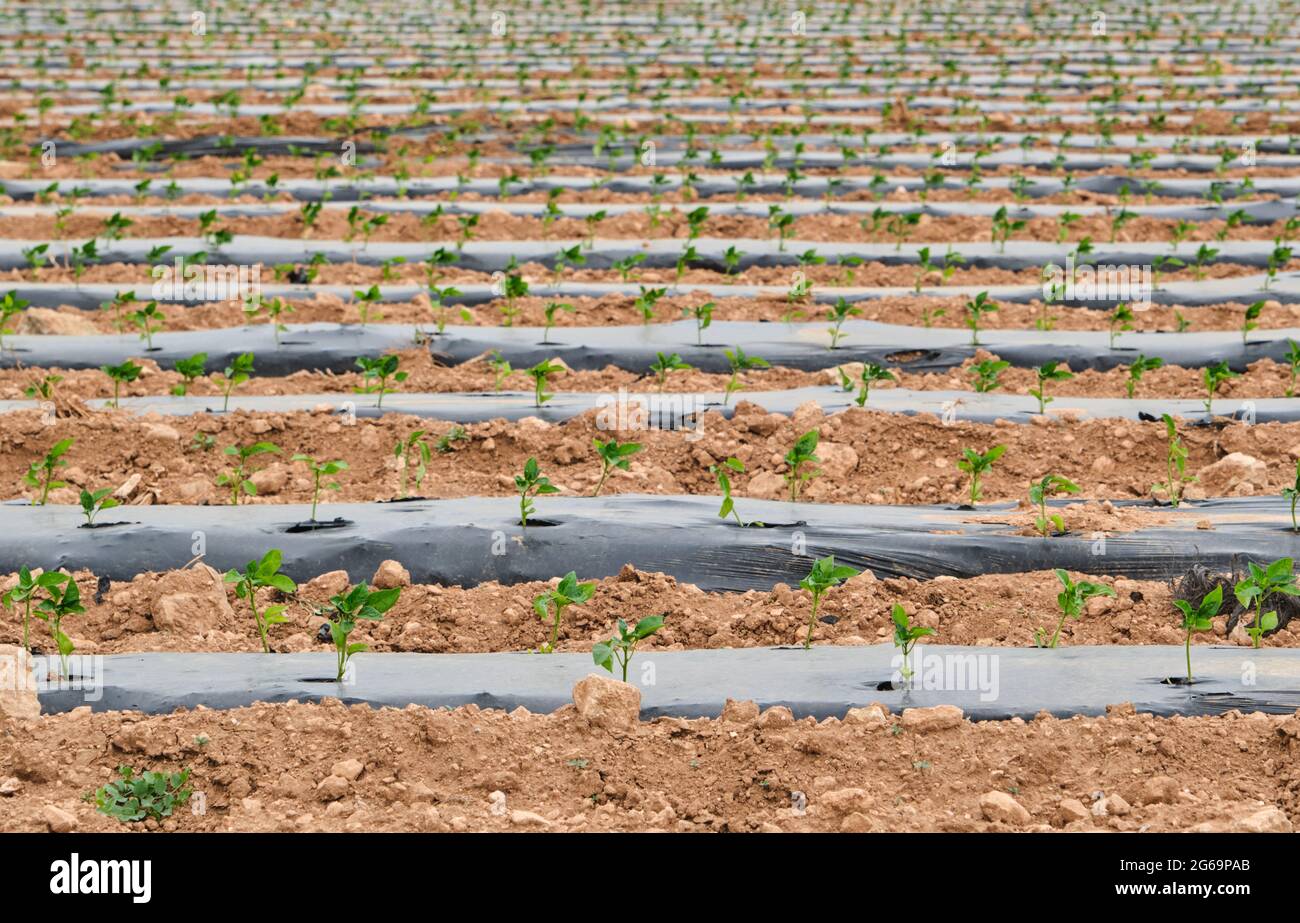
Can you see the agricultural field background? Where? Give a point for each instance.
(619, 417)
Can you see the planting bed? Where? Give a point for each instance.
(709, 348)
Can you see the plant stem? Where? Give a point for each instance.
(1056, 634)
(812, 620)
(1188, 646)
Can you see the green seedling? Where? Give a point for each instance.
(92, 504)
(122, 374)
(1293, 494)
(238, 477)
(234, 375)
(1198, 618)
(10, 306)
(905, 637)
(549, 313)
(1141, 365)
(569, 592)
(150, 795)
(411, 451)
(1038, 494)
(665, 365)
(803, 452)
(366, 301)
(359, 604)
(1262, 582)
(190, 370)
(612, 455)
(841, 311)
(1071, 601)
(976, 308)
(1214, 376)
(1250, 320)
(703, 315)
(532, 483)
(977, 465)
(1121, 320)
(1042, 375)
(319, 470)
(738, 362)
(825, 573)
(723, 473)
(58, 605)
(43, 388)
(446, 442)
(25, 591)
(1293, 360)
(258, 575)
(1175, 464)
(148, 320)
(986, 374)
(622, 646)
(376, 372)
(870, 373)
(501, 369)
(513, 287)
(438, 299)
(646, 301)
(40, 473)
(540, 373)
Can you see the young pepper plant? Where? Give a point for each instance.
(356, 605)
(1293, 495)
(870, 373)
(1042, 375)
(825, 573)
(1175, 464)
(532, 483)
(1071, 601)
(238, 478)
(412, 450)
(622, 646)
(977, 465)
(259, 574)
(319, 470)
(540, 373)
(569, 592)
(25, 591)
(40, 473)
(1198, 618)
(1258, 585)
(803, 452)
(1038, 494)
(722, 473)
(376, 372)
(234, 375)
(92, 504)
(58, 605)
(905, 637)
(738, 362)
(613, 455)
(122, 374)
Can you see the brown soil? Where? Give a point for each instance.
(989, 610)
(262, 769)
(867, 456)
(333, 225)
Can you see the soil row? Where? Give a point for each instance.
(864, 457)
(193, 611)
(303, 767)
(334, 225)
(629, 310)
(1263, 379)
